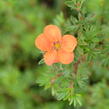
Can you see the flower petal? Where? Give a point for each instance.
(42, 43)
(65, 57)
(50, 57)
(52, 32)
(69, 43)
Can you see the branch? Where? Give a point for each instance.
(54, 78)
(82, 58)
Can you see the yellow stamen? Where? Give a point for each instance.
(57, 45)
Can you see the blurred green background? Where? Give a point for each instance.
(20, 22)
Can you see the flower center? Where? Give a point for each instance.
(57, 45)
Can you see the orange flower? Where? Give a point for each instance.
(56, 48)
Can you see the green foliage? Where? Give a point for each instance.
(59, 20)
(75, 4)
(83, 84)
(89, 52)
